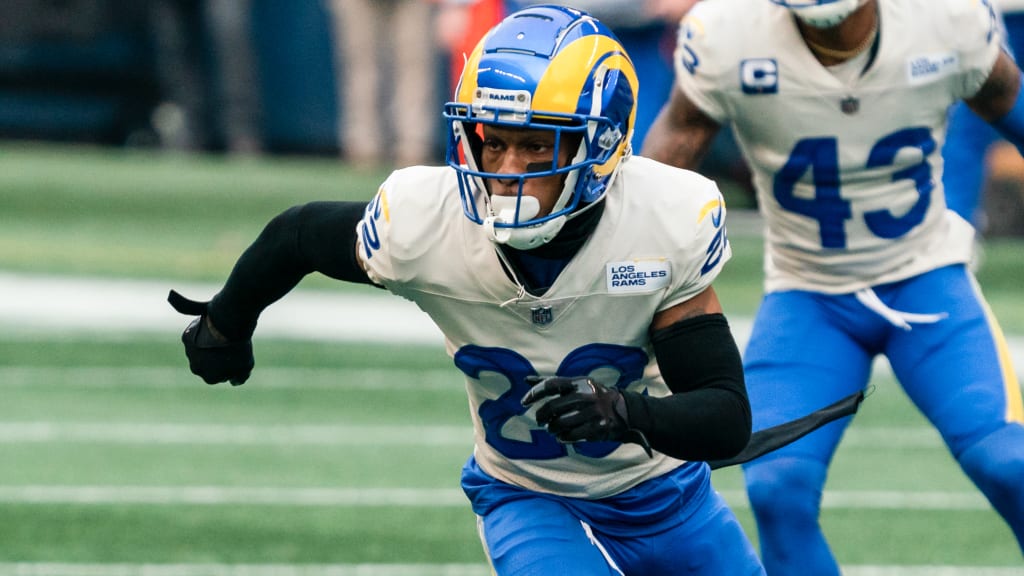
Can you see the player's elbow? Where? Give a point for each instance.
(735, 434)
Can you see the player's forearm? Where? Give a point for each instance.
(316, 237)
(707, 424)
(708, 415)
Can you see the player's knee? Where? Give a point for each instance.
(996, 463)
(785, 489)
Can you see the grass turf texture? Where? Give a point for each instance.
(353, 398)
(391, 416)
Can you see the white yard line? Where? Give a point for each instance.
(418, 497)
(234, 495)
(54, 569)
(43, 304)
(221, 434)
(171, 433)
(272, 377)
(931, 571)
(57, 569)
(49, 305)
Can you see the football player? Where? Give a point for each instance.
(573, 285)
(839, 107)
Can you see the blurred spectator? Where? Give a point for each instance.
(388, 107)
(207, 66)
(459, 27)
(671, 11)
(76, 70)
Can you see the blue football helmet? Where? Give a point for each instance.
(821, 13)
(544, 68)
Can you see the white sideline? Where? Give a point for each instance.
(33, 304)
(55, 569)
(46, 305)
(52, 569)
(204, 434)
(417, 497)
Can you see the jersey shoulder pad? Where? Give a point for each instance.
(411, 211)
(971, 30)
(709, 50)
(960, 23)
(684, 213)
(659, 188)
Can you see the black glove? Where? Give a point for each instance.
(211, 356)
(582, 410)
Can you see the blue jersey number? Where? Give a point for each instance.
(830, 209)
(627, 362)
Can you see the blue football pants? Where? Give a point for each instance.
(692, 531)
(808, 350)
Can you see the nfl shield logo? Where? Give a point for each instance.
(541, 315)
(849, 105)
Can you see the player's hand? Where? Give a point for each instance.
(211, 356)
(580, 409)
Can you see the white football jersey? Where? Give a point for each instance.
(660, 241)
(847, 167)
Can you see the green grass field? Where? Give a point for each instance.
(334, 459)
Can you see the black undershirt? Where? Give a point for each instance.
(537, 269)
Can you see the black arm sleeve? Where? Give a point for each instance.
(315, 237)
(708, 415)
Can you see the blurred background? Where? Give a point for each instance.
(357, 80)
(143, 145)
(220, 75)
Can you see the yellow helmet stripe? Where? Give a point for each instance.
(571, 68)
(569, 72)
(564, 79)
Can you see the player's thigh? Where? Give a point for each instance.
(710, 543)
(536, 536)
(801, 357)
(957, 371)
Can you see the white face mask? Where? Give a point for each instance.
(826, 15)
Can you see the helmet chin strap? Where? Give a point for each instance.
(827, 15)
(503, 210)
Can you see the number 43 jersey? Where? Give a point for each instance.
(660, 241)
(846, 160)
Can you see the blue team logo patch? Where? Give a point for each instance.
(931, 67)
(636, 276)
(759, 76)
